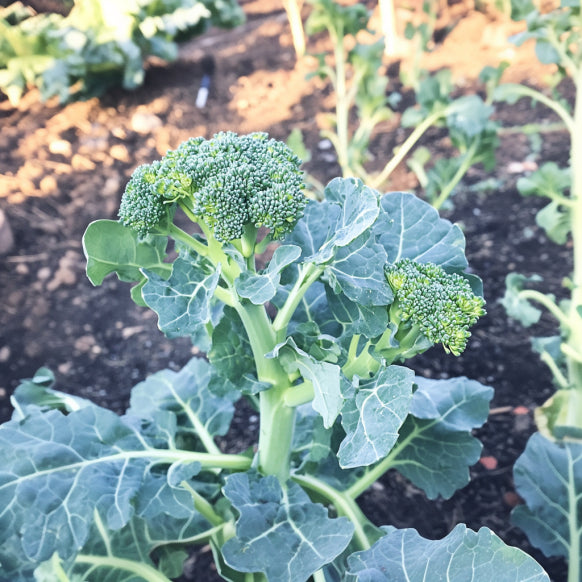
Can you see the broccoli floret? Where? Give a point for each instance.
(427, 300)
(227, 183)
(142, 208)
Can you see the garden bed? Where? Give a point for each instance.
(62, 167)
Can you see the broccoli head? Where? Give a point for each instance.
(439, 305)
(227, 183)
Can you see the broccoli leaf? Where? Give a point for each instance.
(548, 475)
(469, 115)
(232, 356)
(58, 470)
(435, 446)
(517, 307)
(325, 377)
(349, 210)
(262, 288)
(182, 302)
(358, 271)
(462, 556)
(409, 228)
(280, 531)
(356, 318)
(556, 221)
(373, 417)
(111, 247)
(187, 395)
(549, 180)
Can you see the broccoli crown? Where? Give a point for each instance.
(441, 304)
(226, 182)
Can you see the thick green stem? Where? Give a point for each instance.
(178, 234)
(573, 525)
(277, 419)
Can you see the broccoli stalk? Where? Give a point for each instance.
(430, 307)
(229, 186)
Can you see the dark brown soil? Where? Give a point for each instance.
(62, 167)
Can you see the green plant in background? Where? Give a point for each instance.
(360, 92)
(316, 341)
(548, 475)
(99, 44)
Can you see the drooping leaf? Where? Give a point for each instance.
(262, 288)
(517, 307)
(549, 180)
(373, 417)
(280, 532)
(435, 446)
(111, 247)
(556, 221)
(548, 475)
(182, 302)
(37, 392)
(462, 556)
(410, 228)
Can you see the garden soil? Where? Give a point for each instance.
(63, 166)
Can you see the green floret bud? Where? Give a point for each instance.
(142, 207)
(441, 305)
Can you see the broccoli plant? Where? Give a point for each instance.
(361, 92)
(99, 44)
(548, 475)
(316, 341)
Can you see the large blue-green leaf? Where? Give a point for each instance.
(57, 470)
(409, 228)
(187, 395)
(325, 377)
(262, 288)
(182, 302)
(435, 447)
(358, 271)
(111, 247)
(548, 475)
(280, 532)
(373, 417)
(462, 556)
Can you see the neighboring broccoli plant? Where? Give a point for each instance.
(99, 44)
(548, 475)
(316, 341)
(360, 92)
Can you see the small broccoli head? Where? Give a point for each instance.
(142, 208)
(230, 181)
(441, 305)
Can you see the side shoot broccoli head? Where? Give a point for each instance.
(432, 303)
(227, 184)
